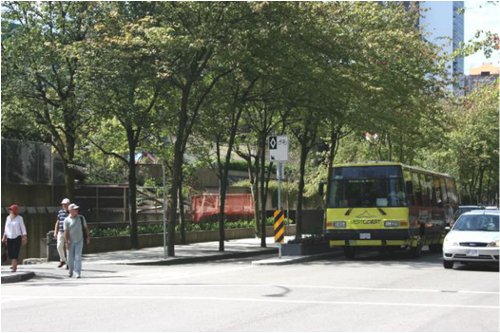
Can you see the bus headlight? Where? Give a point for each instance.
(392, 224)
(339, 224)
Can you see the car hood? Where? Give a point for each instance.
(473, 236)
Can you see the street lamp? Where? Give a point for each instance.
(165, 206)
(164, 210)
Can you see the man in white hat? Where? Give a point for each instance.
(62, 214)
(75, 233)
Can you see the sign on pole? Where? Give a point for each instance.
(279, 226)
(278, 148)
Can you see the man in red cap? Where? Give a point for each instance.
(14, 234)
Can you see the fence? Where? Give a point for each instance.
(207, 206)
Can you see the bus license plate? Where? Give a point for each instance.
(472, 253)
(365, 235)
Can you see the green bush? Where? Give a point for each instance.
(158, 228)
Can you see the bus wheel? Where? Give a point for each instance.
(416, 251)
(435, 248)
(349, 252)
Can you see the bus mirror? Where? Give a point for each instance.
(409, 187)
(321, 189)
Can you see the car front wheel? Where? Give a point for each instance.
(447, 264)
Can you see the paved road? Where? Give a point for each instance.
(371, 293)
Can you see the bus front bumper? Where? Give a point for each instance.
(371, 237)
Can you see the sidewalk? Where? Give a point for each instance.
(184, 254)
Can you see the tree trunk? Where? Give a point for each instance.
(181, 212)
(253, 189)
(222, 215)
(174, 190)
(300, 194)
(69, 180)
(480, 186)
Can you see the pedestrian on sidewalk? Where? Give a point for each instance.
(14, 235)
(75, 233)
(62, 214)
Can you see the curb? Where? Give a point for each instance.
(292, 260)
(190, 260)
(11, 278)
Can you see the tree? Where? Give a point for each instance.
(39, 73)
(122, 81)
(197, 31)
(473, 145)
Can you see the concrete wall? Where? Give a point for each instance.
(105, 244)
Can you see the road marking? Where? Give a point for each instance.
(395, 289)
(257, 300)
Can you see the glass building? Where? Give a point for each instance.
(442, 23)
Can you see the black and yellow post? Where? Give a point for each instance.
(279, 228)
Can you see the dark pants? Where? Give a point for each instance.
(13, 247)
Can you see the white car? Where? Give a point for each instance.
(474, 237)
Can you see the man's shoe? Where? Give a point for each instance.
(61, 264)
(77, 276)
(70, 274)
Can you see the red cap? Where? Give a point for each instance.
(14, 208)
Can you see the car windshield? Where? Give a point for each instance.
(477, 223)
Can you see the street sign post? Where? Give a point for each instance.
(278, 148)
(278, 152)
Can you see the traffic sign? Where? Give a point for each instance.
(279, 226)
(278, 148)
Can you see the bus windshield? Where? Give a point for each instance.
(367, 186)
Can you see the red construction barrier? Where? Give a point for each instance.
(238, 205)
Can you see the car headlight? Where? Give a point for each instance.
(339, 224)
(494, 244)
(392, 224)
(449, 242)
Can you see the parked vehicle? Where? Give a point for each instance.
(388, 205)
(464, 209)
(474, 238)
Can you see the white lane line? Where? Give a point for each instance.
(395, 289)
(298, 286)
(258, 300)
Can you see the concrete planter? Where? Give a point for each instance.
(300, 249)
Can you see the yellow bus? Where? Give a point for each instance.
(388, 206)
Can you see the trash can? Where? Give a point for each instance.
(52, 254)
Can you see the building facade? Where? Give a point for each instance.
(479, 76)
(442, 23)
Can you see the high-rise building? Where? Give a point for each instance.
(482, 75)
(442, 23)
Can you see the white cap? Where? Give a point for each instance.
(73, 206)
(65, 201)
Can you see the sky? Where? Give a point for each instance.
(480, 15)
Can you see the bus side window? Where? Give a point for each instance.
(450, 186)
(437, 198)
(425, 181)
(417, 189)
(443, 191)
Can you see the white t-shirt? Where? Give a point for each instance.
(14, 227)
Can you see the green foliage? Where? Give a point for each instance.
(158, 228)
(175, 78)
